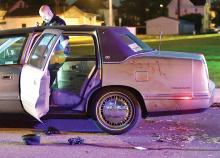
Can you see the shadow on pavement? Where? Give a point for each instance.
(63, 125)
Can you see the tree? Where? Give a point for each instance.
(135, 13)
(90, 5)
(216, 7)
(5, 4)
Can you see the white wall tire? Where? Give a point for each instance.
(116, 110)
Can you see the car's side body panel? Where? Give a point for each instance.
(166, 84)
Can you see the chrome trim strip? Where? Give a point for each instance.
(119, 62)
(9, 98)
(187, 96)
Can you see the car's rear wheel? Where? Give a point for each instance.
(116, 110)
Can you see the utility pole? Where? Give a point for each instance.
(206, 18)
(57, 6)
(110, 13)
(178, 9)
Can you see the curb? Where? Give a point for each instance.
(217, 95)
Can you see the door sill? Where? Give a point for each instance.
(65, 113)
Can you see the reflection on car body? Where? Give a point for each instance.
(109, 75)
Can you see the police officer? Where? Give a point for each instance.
(50, 19)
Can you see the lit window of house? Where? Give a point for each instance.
(23, 25)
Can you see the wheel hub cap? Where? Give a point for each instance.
(116, 110)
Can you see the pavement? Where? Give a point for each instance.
(178, 136)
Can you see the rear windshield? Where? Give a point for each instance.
(134, 43)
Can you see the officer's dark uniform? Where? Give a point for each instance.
(56, 21)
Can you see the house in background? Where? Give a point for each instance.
(75, 16)
(178, 8)
(25, 15)
(101, 8)
(2, 21)
(168, 26)
(173, 25)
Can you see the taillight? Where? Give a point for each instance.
(186, 98)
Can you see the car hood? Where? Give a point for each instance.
(174, 55)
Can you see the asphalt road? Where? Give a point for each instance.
(180, 136)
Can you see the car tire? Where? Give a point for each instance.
(116, 110)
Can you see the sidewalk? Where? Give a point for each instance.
(217, 95)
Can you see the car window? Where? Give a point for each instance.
(41, 51)
(76, 46)
(11, 49)
(134, 43)
(82, 45)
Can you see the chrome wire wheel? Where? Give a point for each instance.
(115, 111)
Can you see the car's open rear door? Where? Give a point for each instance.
(35, 80)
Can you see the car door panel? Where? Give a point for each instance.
(9, 89)
(11, 49)
(34, 91)
(34, 76)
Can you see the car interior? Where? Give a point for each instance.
(73, 72)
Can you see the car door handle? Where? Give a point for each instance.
(7, 77)
(74, 67)
(35, 82)
(81, 75)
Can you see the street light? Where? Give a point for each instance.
(110, 13)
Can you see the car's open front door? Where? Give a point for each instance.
(35, 80)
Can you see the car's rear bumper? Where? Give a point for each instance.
(181, 103)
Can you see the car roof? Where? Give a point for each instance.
(65, 28)
(112, 47)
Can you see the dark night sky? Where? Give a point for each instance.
(115, 2)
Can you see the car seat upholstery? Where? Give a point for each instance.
(66, 98)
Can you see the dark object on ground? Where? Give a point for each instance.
(216, 105)
(31, 139)
(74, 141)
(52, 130)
